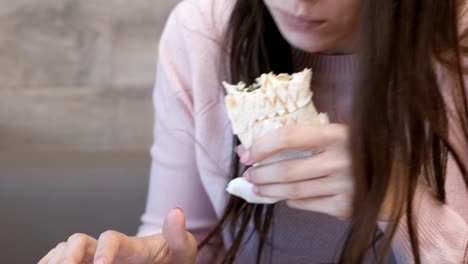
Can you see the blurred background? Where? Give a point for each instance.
(76, 79)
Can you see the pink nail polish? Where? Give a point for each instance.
(240, 150)
(179, 208)
(100, 261)
(245, 158)
(246, 175)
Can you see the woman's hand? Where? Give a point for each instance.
(174, 245)
(321, 183)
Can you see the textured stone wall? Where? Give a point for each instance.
(77, 75)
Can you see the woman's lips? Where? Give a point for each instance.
(298, 23)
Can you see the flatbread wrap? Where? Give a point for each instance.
(271, 102)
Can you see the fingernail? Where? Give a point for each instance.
(246, 175)
(179, 208)
(240, 150)
(100, 261)
(255, 189)
(245, 158)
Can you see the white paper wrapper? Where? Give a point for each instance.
(280, 101)
(242, 188)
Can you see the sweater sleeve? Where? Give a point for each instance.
(174, 179)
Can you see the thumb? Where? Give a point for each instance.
(181, 243)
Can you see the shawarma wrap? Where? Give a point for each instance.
(270, 103)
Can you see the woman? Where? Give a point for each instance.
(390, 182)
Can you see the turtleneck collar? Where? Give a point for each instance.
(326, 65)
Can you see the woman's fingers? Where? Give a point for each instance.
(299, 137)
(322, 182)
(324, 186)
(47, 257)
(240, 149)
(174, 246)
(295, 170)
(107, 247)
(115, 247)
(58, 253)
(80, 248)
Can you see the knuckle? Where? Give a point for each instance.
(341, 188)
(51, 252)
(349, 185)
(346, 186)
(61, 245)
(340, 129)
(342, 164)
(347, 164)
(340, 132)
(110, 234)
(344, 207)
(77, 237)
(69, 258)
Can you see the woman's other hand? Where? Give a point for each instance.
(174, 245)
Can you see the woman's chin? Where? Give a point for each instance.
(310, 48)
(309, 45)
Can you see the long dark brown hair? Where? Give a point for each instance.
(401, 118)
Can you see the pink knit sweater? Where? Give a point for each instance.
(192, 150)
